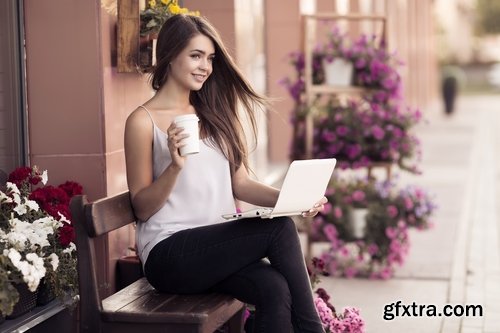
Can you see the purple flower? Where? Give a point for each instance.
(377, 132)
(337, 212)
(328, 136)
(391, 232)
(392, 211)
(358, 195)
(342, 130)
(353, 151)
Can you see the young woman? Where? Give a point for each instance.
(182, 241)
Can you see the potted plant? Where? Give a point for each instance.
(361, 134)
(36, 240)
(391, 213)
(347, 321)
(151, 21)
(378, 125)
(337, 65)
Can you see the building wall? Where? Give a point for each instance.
(78, 103)
(11, 141)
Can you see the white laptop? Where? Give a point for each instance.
(305, 184)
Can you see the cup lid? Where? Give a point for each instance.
(191, 116)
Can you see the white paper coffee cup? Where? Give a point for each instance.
(190, 124)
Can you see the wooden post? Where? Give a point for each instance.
(128, 36)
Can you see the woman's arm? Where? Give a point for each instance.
(147, 196)
(252, 191)
(256, 193)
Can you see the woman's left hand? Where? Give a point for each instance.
(318, 207)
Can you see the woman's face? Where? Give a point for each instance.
(193, 65)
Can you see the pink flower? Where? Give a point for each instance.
(327, 208)
(330, 232)
(392, 211)
(350, 272)
(373, 249)
(377, 132)
(337, 212)
(408, 203)
(391, 233)
(358, 195)
(386, 273)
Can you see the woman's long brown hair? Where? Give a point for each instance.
(226, 89)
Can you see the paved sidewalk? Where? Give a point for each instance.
(458, 261)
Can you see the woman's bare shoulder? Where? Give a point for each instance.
(139, 118)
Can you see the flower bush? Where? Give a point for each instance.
(336, 47)
(348, 321)
(36, 236)
(376, 128)
(359, 135)
(376, 68)
(157, 12)
(391, 212)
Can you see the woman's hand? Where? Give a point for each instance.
(175, 138)
(318, 207)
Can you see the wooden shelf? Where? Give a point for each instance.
(327, 89)
(347, 17)
(312, 90)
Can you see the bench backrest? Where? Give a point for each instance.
(92, 222)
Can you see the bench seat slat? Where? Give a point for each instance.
(140, 302)
(148, 302)
(221, 309)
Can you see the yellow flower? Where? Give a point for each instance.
(152, 3)
(165, 2)
(174, 9)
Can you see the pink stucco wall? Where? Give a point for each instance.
(78, 103)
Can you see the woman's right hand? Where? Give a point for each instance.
(175, 138)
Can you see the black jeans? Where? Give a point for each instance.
(229, 258)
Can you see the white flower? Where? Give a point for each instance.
(32, 205)
(20, 209)
(13, 188)
(71, 247)
(34, 272)
(35, 234)
(54, 261)
(16, 237)
(16, 198)
(4, 198)
(63, 218)
(45, 177)
(13, 255)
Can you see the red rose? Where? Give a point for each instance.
(52, 200)
(71, 188)
(54, 210)
(25, 175)
(66, 234)
(19, 175)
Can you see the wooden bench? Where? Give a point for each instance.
(138, 307)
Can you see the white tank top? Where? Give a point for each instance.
(202, 193)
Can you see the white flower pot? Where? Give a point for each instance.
(338, 72)
(357, 222)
